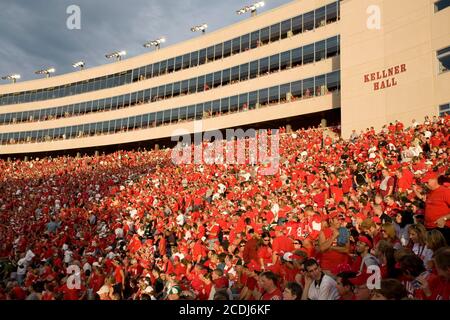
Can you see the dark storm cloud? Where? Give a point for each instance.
(33, 33)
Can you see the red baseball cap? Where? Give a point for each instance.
(366, 241)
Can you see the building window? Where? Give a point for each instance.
(217, 79)
(297, 57)
(285, 60)
(263, 66)
(265, 35)
(186, 61)
(444, 110)
(320, 17)
(274, 64)
(443, 57)
(332, 47)
(331, 12)
(210, 54)
(308, 21)
(178, 64)
(254, 40)
(227, 49)
(236, 46)
(254, 69)
(320, 50)
(202, 57)
(285, 28)
(275, 32)
(245, 42)
(308, 54)
(170, 67)
(297, 25)
(333, 81)
(263, 97)
(226, 77)
(218, 51)
(441, 5)
(243, 72)
(194, 59)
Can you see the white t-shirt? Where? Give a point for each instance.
(119, 232)
(180, 219)
(22, 266)
(423, 253)
(325, 291)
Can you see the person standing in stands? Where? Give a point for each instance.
(318, 285)
(437, 205)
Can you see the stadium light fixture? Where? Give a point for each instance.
(47, 72)
(252, 8)
(155, 43)
(12, 77)
(200, 27)
(79, 64)
(116, 54)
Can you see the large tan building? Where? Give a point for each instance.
(356, 63)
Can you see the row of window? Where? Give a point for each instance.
(296, 25)
(292, 58)
(307, 88)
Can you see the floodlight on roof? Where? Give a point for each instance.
(252, 8)
(12, 77)
(155, 43)
(200, 27)
(117, 54)
(79, 64)
(47, 72)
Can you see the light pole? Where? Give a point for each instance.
(200, 27)
(47, 72)
(252, 8)
(116, 54)
(12, 77)
(79, 64)
(155, 43)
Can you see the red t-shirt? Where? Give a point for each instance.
(265, 253)
(330, 259)
(283, 244)
(440, 288)
(436, 206)
(275, 295)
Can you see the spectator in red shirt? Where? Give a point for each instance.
(438, 287)
(251, 247)
(281, 244)
(268, 282)
(387, 183)
(331, 254)
(437, 205)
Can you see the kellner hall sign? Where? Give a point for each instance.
(385, 78)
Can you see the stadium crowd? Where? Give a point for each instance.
(364, 218)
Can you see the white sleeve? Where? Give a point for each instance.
(427, 256)
(328, 291)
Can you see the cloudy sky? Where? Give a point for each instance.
(34, 35)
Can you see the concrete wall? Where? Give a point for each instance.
(410, 34)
